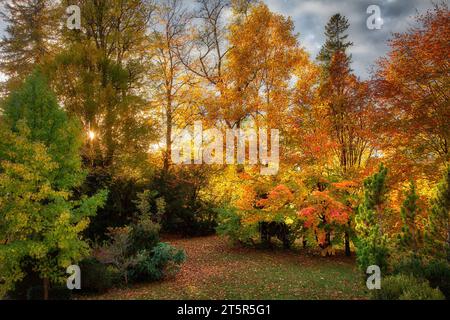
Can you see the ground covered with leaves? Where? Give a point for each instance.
(216, 270)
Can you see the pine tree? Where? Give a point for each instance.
(438, 231)
(336, 39)
(30, 31)
(371, 245)
(39, 220)
(410, 237)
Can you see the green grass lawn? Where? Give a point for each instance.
(216, 270)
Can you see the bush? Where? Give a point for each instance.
(411, 265)
(405, 287)
(119, 206)
(438, 274)
(144, 236)
(230, 225)
(422, 292)
(162, 262)
(116, 253)
(97, 277)
(186, 213)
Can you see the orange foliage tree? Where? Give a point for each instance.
(329, 214)
(412, 93)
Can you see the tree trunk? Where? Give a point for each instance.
(168, 155)
(448, 244)
(46, 288)
(264, 234)
(348, 253)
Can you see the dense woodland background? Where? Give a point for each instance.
(87, 126)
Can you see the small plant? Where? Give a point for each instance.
(116, 253)
(163, 261)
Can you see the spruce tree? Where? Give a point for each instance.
(30, 31)
(438, 231)
(336, 39)
(371, 245)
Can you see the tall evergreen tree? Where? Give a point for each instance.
(30, 34)
(438, 231)
(336, 39)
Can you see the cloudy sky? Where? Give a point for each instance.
(310, 17)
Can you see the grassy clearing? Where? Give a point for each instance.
(216, 270)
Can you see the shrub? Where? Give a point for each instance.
(143, 236)
(116, 253)
(412, 265)
(438, 274)
(231, 226)
(422, 292)
(405, 287)
(162, 262)
(97, 277)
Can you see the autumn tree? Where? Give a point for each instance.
(412, 85)
(331, 117)
(104, 69)
(101, 78)
(206, 55)
(41, 219)
(31, 30)
(174, 86)
(264, 52)
(309, 145)
(349, 109)
(326, 216)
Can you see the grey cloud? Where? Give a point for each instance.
(310, 17)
